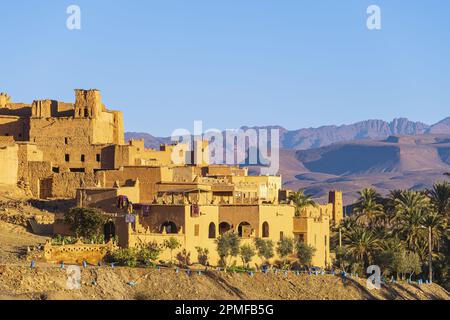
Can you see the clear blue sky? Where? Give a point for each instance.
(232, 62)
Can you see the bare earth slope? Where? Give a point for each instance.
(18, 281)
(151, 284)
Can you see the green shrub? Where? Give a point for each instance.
(59, 240)
(184, 258)
(126, 257)
(227, 246)
(285, 247)
(305, 253)
(247, 253)
(264, 249)
(85, 222)
(148, 253)
(202, 255)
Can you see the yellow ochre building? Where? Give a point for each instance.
(65, 150)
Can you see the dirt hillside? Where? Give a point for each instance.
(49, 282)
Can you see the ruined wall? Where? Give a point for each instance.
(27, 153)
(88, 103)
(148, 177)
(39, 173)
(66, 142)
(14, 126)
(105, 199)
(65, 185)
(4, 99)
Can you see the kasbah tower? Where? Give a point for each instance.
(76, 151)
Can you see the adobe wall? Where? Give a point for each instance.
(104, 129)
(10, 164)
(58, 137)
(49, 132)
(105, 199)
(160, 214)
(65, 185)
(148, 177)
(335, 198)
(27, 153)
(14, 126)
(38, 170)
(236, 214)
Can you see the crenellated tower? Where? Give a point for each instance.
(335, 198)
(4, 99)
(88, 103)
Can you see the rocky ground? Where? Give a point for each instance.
(49, 283)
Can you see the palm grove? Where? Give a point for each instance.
(405, 234)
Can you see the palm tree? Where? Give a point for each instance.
(361, 244)
(440, 197)
(436, 225)
(390, 203)
(369, 207)
(411, 229)
(410, 214)
(408, 202)
(301, 201)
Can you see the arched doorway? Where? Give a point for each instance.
(224, 227)
(265, 230)
(212, 231)
(109, 231)
(244, 230)
(171, 227)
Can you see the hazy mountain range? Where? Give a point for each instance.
(308, 138)
(387, 155)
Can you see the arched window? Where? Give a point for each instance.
(224, 227)
(212, 231)
(265, 230)
(171, 227)
(244, 229)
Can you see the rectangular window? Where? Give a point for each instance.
(82, 158)
(197, 230)
(66, 140)
(281, 235)
(67, 157)
(97, 157)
